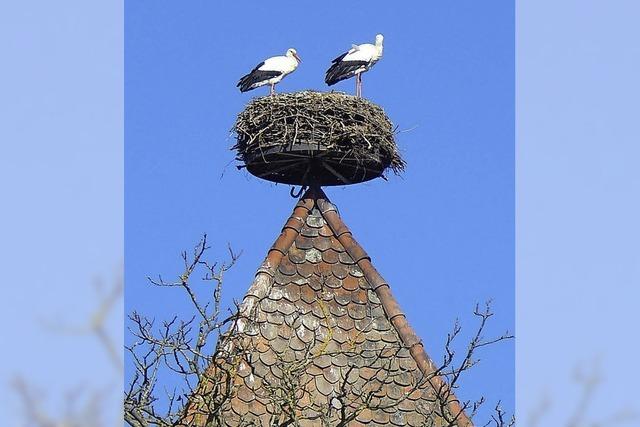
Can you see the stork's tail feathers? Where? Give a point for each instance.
(341, 70)
(256, 78)
(244, 84)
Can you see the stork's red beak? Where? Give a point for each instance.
(297, 57)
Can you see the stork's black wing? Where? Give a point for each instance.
(256, 76)
(341, 69)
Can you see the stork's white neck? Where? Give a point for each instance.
(292, 57)
(378, 45)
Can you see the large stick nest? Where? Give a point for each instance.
(337, 124)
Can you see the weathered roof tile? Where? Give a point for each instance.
(341, 271)
(345, 258)
(306, 270)
(313, 255)
(304, 243)
(296, 255)
(286, 267)
(322, 243)
(269, 331)
(330, 256)
(309, 231)
(325, 231)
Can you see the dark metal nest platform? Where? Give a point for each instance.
(304, 163)
(313, 138)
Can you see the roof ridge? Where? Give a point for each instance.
(381, 287)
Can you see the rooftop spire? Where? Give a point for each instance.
(320, 338)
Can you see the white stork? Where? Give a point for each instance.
(270, 71)
(359, 59)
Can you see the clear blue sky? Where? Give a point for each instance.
(443, 234)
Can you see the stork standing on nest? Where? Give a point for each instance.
(270, 72)
(359, 59)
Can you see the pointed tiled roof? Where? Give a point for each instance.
(322, 337)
